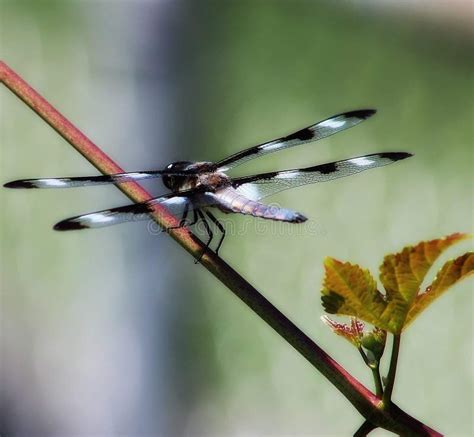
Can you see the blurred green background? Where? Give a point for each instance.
(116, 331)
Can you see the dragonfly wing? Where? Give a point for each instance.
(317, 131)
(84, 181)
(263, 185)
(128, 213)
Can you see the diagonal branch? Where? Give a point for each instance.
(363, 399)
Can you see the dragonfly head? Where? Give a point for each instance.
(175, 183)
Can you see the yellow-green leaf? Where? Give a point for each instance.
(350, 290)
(402, 274)
(451, 273)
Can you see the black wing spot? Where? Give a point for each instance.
(20, 184)
(363, 114)
(395, 156)
(69, 225)
(266, 176)
(303, 134)
(256, 178)
(136, 208)
(249, 152)
(328, 168)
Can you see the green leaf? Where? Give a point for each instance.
(402, 274)
(451, 273)
(352, 291)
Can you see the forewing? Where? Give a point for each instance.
(259, 186)
(83, 181)
(317, 131)
(128, 213)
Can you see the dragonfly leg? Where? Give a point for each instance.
(182, 222)
(220, 227)
(195, 218)
(209, 233)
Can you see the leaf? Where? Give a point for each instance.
(372, 341)
(451, 273)
(352, 332)
(350, 290)
(402, 274)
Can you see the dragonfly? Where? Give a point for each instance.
(198, 189)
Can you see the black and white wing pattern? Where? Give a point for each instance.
(317, 131)
(85, 181)
(176, 204)
(263, 185)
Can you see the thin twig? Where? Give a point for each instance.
(387, 395)
(374, 367)
(377, 381)
(362, 398)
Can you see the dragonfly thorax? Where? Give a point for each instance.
(194, 175)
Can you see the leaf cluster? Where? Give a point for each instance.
(351, 290)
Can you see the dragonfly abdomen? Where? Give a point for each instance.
(271, 212)
(232, 201)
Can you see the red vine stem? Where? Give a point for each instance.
(363, 399)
